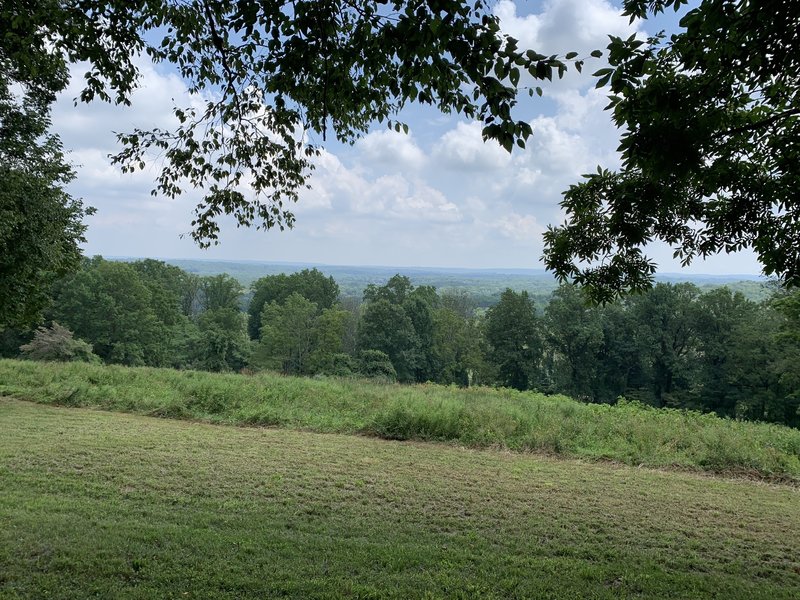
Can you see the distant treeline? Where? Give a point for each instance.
(484, 286)
(675, 346)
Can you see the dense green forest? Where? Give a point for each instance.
(674, 346)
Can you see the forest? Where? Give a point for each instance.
(673, 346)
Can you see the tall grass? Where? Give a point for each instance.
(477, 417)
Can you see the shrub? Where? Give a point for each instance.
(56, 343)
(376, 364)
(340, 365)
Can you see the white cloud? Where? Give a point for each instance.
(392, 148)
(120, 219)
(97, 172)
(93, 125)
(581, 110)
(556, 149)
(463, 148)
(565, 25)
(521, 228)
(423, 202)
(386, 196)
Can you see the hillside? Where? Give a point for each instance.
(111, 505)
(475, 417)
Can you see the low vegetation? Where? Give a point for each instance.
(478, 417)
(97, 504)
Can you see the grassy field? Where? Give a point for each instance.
(98, 504)
(477, 418)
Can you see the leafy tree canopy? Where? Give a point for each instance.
(288, 335)
(710, 149)
(311, 284)
(267, 76)
(376, 364)
(220, 292)
(388, 328)
(40, 224)
(109, 305)
(512, 331)
(221, 343)
(175, 291)
(399, 320)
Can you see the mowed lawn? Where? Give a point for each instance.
(96, 504)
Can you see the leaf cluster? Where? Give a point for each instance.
(710, 121)
(267, 78)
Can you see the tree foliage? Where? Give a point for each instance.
(220, 292)
(512, 331)
(386, 327)
(666, 335)
(376, 365)
(268, 77)
(328, 356)
(574, 334)
(221, 342)
(107, 304)
(287, 335)
(311, 284)
(40, 223)
(457, 348)
(710, 148)
(175, 292)
(399, 320)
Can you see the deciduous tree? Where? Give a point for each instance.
(311, 284)
(107, 304)
(287, 335)
(574, 332)
(58, 344)
(665, 320)
(710, 148)
(41, 225)
(515, 345)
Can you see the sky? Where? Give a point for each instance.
(437, 197)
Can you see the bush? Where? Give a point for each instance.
(376, 364)
(57, 344)
(339, 365)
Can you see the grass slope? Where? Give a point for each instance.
(97, 504)
(478, 417)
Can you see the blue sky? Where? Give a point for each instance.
(439, 196)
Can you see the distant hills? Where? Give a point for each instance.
(483, 285)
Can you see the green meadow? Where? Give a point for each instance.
(476, 418)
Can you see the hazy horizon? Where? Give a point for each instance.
(412, 267)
